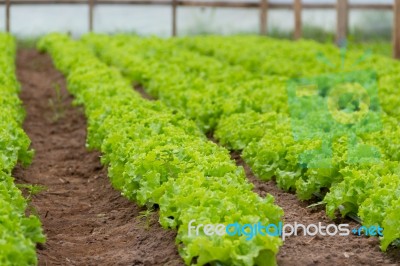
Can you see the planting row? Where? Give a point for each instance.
(202, 86)
(304, 58)
(18, 233)
(310, 133)
(158, 158)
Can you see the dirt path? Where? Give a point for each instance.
(86, 221)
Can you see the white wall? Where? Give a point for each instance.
(37, 20)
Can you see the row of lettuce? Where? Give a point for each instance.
(18, 233)
(275, 101)
(159, 158)
(365, 175)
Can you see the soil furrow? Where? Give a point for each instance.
(85, 220)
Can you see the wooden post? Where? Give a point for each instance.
(174, 7)
(7, 15)
(297, 19)
(91, 7)
(342, 9)
(263, 17)
(396, 29)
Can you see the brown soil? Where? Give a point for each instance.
(85, 220)
(329, 250)
(139, 88)
(89, 223)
